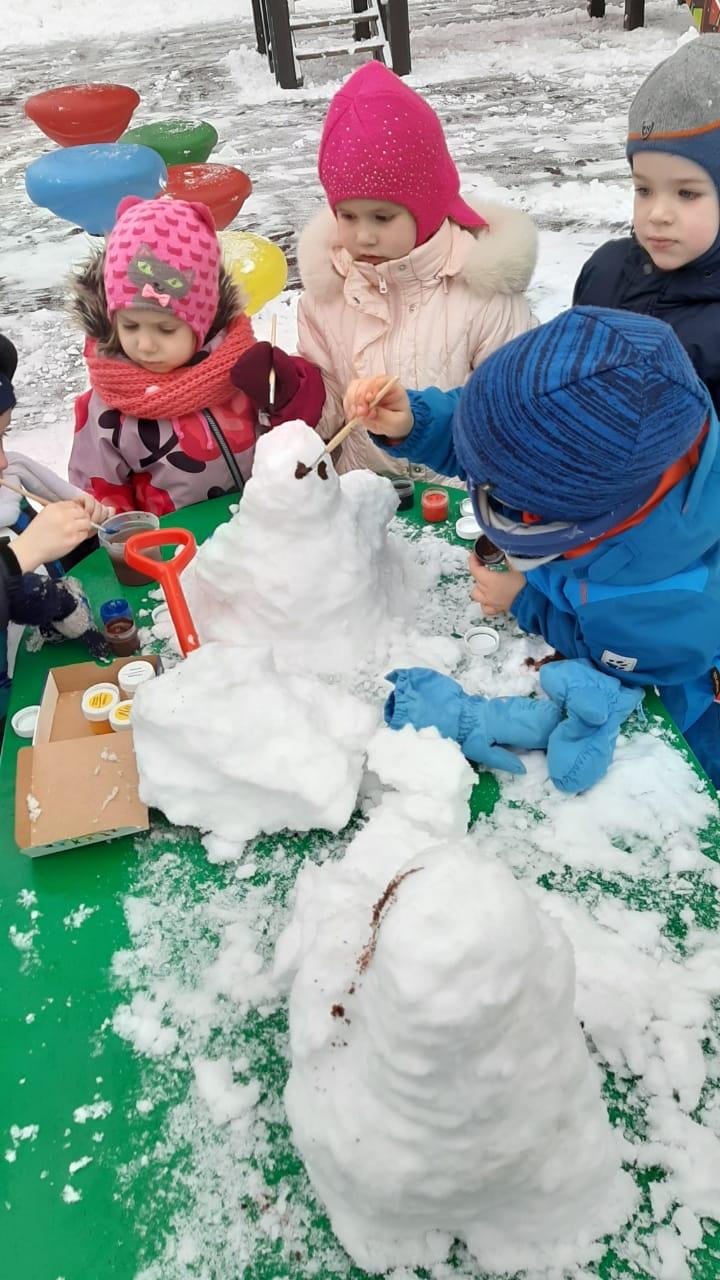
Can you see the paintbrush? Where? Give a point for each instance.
(272, 377)
(35, 497)
(303, 469)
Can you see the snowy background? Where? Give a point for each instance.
(533, 96)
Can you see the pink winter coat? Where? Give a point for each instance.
(431, 317)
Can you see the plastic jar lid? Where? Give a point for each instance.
(98, 701)
(120, 715)
(24, 720)
(467, 527)
(133, 674)
(482, 641)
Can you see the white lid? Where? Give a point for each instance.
(467, 527)
(133, 674)
(23, 722)
(482, 641)
(98, 700)
(121, 715)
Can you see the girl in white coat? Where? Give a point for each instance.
(401, 273)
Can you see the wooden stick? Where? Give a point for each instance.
(272, 378)
(353, 423)
(35, 497)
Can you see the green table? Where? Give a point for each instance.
(65, 1071)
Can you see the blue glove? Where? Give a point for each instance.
(425, 698)
(581, 748)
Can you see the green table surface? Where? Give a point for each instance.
(57, 1052)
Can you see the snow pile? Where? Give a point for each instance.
(226, 743)
(306, 566)
(441, 1086)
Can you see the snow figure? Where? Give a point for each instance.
(227, 744)
(441, 1086)
(306, 565)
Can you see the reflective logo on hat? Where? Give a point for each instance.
(647, 129)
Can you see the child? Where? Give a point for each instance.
(670, 267)
(26, 597)
(164, 424)
(400, 272)
(592, 454)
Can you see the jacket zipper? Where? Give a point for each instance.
(227, 453)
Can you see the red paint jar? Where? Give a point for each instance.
(435, 505)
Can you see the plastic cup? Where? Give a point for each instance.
(113, 535)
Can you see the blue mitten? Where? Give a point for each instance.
(424, 698)
(596, 705)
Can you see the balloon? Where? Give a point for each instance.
(221, 187)
(85, 185)
(257, 265)
(177, 141)
(80, 113)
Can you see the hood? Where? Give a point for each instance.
(88, 307)
(681, 529)
(500, 258)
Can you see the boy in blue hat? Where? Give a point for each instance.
(591, 453)
(670, 266)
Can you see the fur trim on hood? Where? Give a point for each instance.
(501, 261)
(88, 306)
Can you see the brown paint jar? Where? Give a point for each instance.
(122, 636)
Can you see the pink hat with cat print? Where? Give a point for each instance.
(382, 141)
(164, 255)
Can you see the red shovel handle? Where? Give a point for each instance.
(167, 573)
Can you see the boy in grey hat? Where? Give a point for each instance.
(670, 266)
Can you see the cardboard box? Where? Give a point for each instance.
(80, 786)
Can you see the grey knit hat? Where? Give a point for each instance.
(677, 109)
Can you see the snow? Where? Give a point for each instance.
(534, 99)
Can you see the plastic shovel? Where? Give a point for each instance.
(167, 573)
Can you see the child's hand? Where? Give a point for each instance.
(495, 591)
(94, 510)
(56, 530)
(392, 417)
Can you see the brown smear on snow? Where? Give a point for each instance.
(387, 898)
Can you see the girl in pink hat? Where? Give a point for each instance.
(401, 273)
(165, 423)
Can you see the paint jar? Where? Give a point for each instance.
(466, 507)
(133, 674)
(482, 641)
(404, 488)
(119, 627)
(97, 703)
(435, 505)
(120, 716)
(113, 535)
(489, 555)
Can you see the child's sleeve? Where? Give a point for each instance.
(313, 347)
(505, 317)
(431, 439)
(538, 615)
(96, 464)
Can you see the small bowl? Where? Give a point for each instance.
(482, 641)
(24, 721)
(468, 528)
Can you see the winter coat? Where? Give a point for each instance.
(643, 605)
(621, 274)
(158, 464)
(430, 318)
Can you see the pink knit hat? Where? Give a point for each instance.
(382, 141)
(164, 254)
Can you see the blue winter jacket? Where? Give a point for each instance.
(621, 274)
(644, 605)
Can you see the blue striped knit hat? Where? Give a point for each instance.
(579, 418)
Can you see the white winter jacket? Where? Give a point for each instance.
(430, 317)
